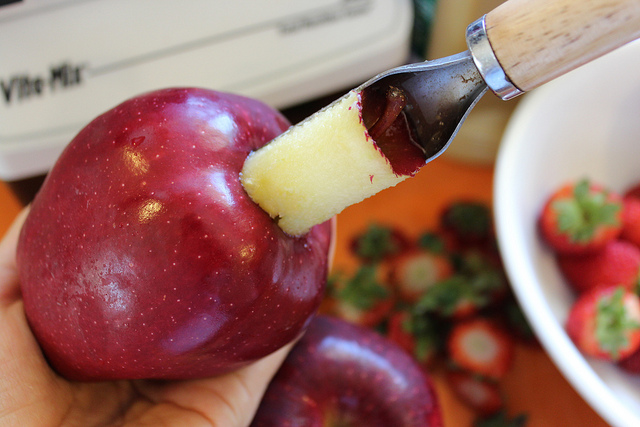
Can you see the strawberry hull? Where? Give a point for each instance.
(605, 323)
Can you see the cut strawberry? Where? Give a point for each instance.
(605, 323)
(362, 299)
(379, 242)
(480, 346)
(581, 217)
(416, 334)
(480, 394)
(415, 272)
(631, 219)
(617, 263)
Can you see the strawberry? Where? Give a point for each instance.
(416, 334)
(631, 363)
(617, 263)
(362, 299)
(581, 217)
(633, 191)
(480, 346)
(480, 394)
(631, 219)
(605, 323)
(414, 272)
(378, 242)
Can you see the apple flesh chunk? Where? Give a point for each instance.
(326, 163)
(143, 257)
(340, 374)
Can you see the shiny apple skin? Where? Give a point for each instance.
(143, 257)
(340, 374)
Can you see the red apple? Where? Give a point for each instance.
(143, 257)
(340, 374)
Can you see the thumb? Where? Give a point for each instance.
(228, 400)
(9, 287)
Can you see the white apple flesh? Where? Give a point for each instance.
(326, 163)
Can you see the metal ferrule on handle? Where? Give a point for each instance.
(488, 65)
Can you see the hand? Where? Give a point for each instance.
(32, 394)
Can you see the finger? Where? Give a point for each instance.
(229, 400)
(9, 287)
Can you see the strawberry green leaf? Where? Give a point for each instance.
(517, 320)
(613, 323)
(580, 216)
(446, 296)
(376, 243)
(502, 420)
(363, 290)
(432, 242)
(425, 332)
(468, 220)
(484, 277)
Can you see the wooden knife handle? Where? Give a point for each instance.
(536, 41)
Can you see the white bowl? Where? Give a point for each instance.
(584, 124)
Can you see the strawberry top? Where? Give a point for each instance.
(604, 323)
(613, 323)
